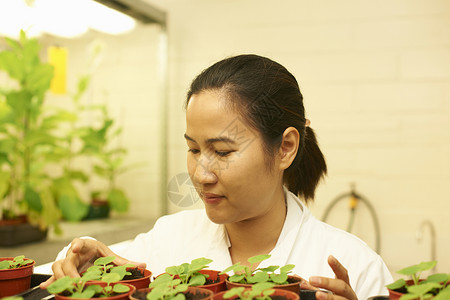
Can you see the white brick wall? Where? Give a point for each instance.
(376, 80)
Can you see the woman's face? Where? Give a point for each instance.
(226, 161)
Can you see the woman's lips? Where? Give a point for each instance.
(211, 198)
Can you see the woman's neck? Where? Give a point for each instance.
(258, 235)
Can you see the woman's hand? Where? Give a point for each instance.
(80, 256)
(340, 286)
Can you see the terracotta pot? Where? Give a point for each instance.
(192, 289)
(394, 295)
(289, 295)
(138, 283)
(214, 287)
(293, 287)
(124, 296)
(15, 281)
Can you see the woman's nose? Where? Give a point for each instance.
(204, 172)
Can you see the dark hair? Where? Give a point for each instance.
(268, 97)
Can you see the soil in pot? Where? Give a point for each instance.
(15, 281)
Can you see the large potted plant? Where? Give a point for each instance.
(27, 141)
(15, 275)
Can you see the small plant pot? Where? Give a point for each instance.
(286, 294)
(138, 283)
(214, 287)
(395, 295)
(98, 209)
(15, 281)
(123, 296)
(196, 292)
(293, 286)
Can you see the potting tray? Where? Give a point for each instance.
(35, 293)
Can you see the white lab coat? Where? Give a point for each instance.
(304, 241)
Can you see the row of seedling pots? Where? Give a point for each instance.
(188, 281)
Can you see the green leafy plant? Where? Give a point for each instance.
(17, 262)
(189, 273)
(259, 291)
(103, 271)
(27, 135)
(435, 285)
(166, 287)
(251, 275)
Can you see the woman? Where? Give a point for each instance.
(251, 152)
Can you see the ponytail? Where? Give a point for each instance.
(307, 169)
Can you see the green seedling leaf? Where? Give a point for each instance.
(86, 294)
(287, 268)
(102, 261)
(397, 284)
(422, 289)
(423, 266)
(233, 292)
(199, 264)
(258, 258)
(235, 268)
(120, 270)
(440, 278)
(120, 288)
(279, 278)
(269, 269)
(4, 264)
(197, 280)
(92, 275)
(111, 277)
(443, 295)
(236, 277)
(60, 285)
(258, 277)
(179, 297)
(259, 287)
(97, 289)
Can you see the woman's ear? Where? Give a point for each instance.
(289, 147)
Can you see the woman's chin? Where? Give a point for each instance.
(217, 216)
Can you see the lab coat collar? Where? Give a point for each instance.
(297, 213)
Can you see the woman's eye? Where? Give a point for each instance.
(223, 153)
(194, 151)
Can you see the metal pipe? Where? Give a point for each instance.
(420, 234)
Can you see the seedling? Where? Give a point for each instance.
(17, 262)
(165, 287)
(250, 275)
(104, 266)
(189, 273)
(433, 285)
(259, 291)
(77, 288)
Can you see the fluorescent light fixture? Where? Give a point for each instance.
(63, 18)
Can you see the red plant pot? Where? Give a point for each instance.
(215, 287)
(138, 283)
(123, 296)
(15, 281)
(293, 287)
(289, 295)
(192, 289)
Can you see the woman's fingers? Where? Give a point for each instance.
(80, 256)
(339, 286)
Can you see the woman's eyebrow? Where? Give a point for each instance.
(210, 141)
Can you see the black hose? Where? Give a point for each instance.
(352, 213)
